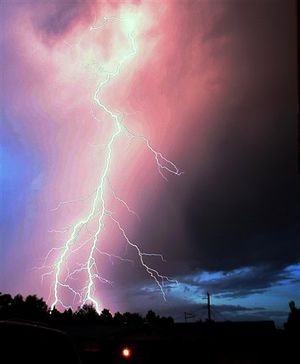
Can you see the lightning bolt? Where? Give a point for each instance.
(98, 208)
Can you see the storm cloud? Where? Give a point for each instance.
(216, 92)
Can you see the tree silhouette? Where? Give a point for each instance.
(133, 319)
(106, 316)
(34, 308)
(152, 318)
(6, 302)
(293, 323)
(18, 305)
(87, 312)
(118, 318)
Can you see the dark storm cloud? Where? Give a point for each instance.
(241, 282)
(62, 15)
(242, 207)
(52, 19)
(248, 211)
(144, 300)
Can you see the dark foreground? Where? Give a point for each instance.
(209, 343)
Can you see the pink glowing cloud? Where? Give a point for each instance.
(58, 55)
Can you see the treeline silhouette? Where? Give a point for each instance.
(293, 322)
(101, 337)
(33, 308)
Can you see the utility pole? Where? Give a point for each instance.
(188, 315)
(208, 307)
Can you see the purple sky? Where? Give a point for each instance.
(213, 87)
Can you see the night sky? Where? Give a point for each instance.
(213, 87)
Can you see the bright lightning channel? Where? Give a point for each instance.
(98, 204)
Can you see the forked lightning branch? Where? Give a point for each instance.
(99, 210)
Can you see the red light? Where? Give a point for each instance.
(126, 353)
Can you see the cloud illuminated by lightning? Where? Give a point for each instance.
(99, 211)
